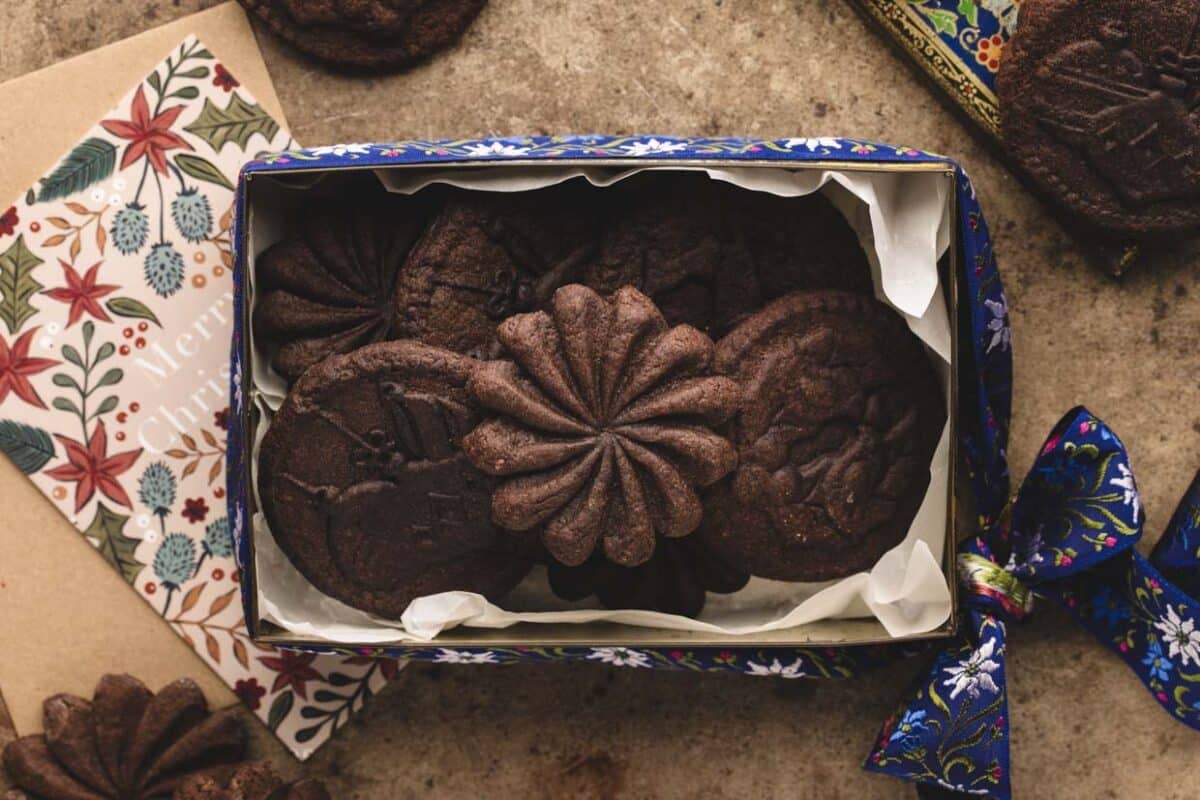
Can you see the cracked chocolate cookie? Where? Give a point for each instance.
(489, 255)
(602, 425)
(367, 35)
(255, 780)
(707, 252)
(366, 490)
(840, 415)
(327, 288)
(1101, 102)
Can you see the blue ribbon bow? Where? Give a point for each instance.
(1069, 537)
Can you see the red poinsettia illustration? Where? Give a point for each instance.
(82, 293)
(295, 670)
(222, 78)
(148, 136)
(90, 467)
(8, 221)
(16, 366)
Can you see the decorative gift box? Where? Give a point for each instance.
(918, 220)
(956, 44)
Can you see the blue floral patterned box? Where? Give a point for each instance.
(957, 44)
(921, 224)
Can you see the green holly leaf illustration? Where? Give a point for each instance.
(943, 21)
(17, 284)
(28, 447)
(90, 162)
(969, 11)
(108, 532)
(128, 307)
(236, 123)
(202, 170)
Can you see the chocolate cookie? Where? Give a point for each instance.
(327, 288)
(489, 255)
(126, 743)
(1101, 102)
(604, 426)
(675, 580)
(255, 780)
(364, 486)
(841, 413)
(373, 35)
(707, 252)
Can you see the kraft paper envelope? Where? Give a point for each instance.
(148, 241)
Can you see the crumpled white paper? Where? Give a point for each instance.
(903, 222)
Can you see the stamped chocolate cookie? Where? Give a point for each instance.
(707, 252)
(368, 34)
(489, 255)
(1101, 106)
(364, 486)
(604, 427)
(675, 580)
(841, 413)
(327, 288)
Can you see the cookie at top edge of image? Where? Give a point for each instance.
(841, 413)
(366, 490)
(1101, 108)
(372, 36)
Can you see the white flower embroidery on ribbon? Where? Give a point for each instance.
(1181, 635)
(958, 787)
(341, 150)
(998, 324)
(495, 149)
(1131, 497)
(814, 144)
(775, 668)
(448, 656)
(975, 673)
(652, 146)
(620, 656)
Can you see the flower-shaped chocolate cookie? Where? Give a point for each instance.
(605, 425)
(126, 743)
(327, 289)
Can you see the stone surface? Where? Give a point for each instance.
(1130, 350)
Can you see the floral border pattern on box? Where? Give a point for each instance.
(115, 293)
(958, 43)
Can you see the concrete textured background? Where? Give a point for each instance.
(1082, 725)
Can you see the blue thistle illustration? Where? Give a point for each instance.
(129, 229)
(156, 490)
(218, 541)
(192, 215)
(164, 269)
(174, 563)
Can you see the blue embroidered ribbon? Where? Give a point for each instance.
(1069, 537)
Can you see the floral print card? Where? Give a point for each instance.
(115, 320)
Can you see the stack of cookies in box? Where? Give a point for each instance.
(656, 389)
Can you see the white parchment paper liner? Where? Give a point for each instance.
(903, 222)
